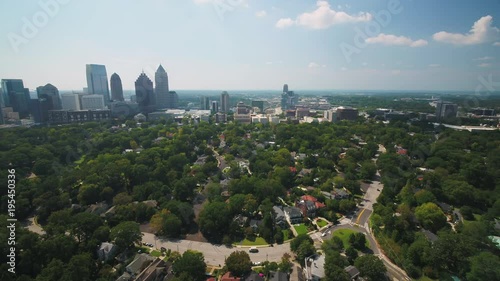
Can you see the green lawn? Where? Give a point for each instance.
(424, 278)
(343, 234)
(321, 223)
(301, 229)
(258, 241)
(155, 253)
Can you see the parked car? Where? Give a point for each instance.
(253, 250)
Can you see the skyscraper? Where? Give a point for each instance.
(172, 99)
(285, 88)
(215, 106)
(144, 92)
(204, 103)
(224, 102)
(16, 96)
(97, 81)
(161, 88)
(90, 102)
(445, 110)
(51, 94)
(288, 99)
(116, 88)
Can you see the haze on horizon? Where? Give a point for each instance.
(255, 45)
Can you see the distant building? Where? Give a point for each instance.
(220, 117)
(97, 81)
(224, 102)
(123, 109)
(483, 112)
(242, 114)
(116, 88)
(65, 116)
(51, 94)
(302, 112)
(347, 113)
(106, 251)
(16, 96)
(288, 99)
(90, 102)
(204, 103)
(445, 110)
(70, 102)
(293, 215)
(259, 104)
(161, 88)
(215, 106)
(144, 93)
(172, 100)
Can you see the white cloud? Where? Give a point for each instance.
(434, 65)
(315, 65)
(393, 40)
(496, 44)
(483, 58)
(284, 23)
(481, 32)
(261, 14)
(484, 64)
(227, 3)
(324, 17)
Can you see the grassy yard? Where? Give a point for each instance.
(321, 223)
(424, 278)
(343, 234)
(301, 229)
(155, 253)
(258, 241)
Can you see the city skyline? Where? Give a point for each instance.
(256, 46)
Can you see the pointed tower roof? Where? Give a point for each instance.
(160, 69)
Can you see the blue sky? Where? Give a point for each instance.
(255, 44)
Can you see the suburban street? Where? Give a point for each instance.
(216, 254)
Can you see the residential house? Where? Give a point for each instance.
(431, 237)
(278, 276)
(316, 268)
(254, 224)
(352, 271)
(279, 217)
(293, 215)
(447, 209)
(229, 277)
(340, 193)
(307, 208)
(158, 270)
(241, 220)
(106, 251)
(140, 262)
(98, 208)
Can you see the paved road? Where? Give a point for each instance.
(216, 254)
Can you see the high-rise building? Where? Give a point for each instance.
(51, 94)
(161, 88)
(347, 113)
(224, 102)
(144, 92)
(215, 106)
(204, 103)
(116, 88)
(16, 96)
(70, 101)
(97, 81)
(445, 110)
(1, 115)
(90, 102)
(288, 99)
(242, 114)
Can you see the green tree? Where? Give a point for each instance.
(239, 263)
(371, 267)
(191, 264)
(126, 234)
(430, 216)
(485, 266)
(214, 220)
